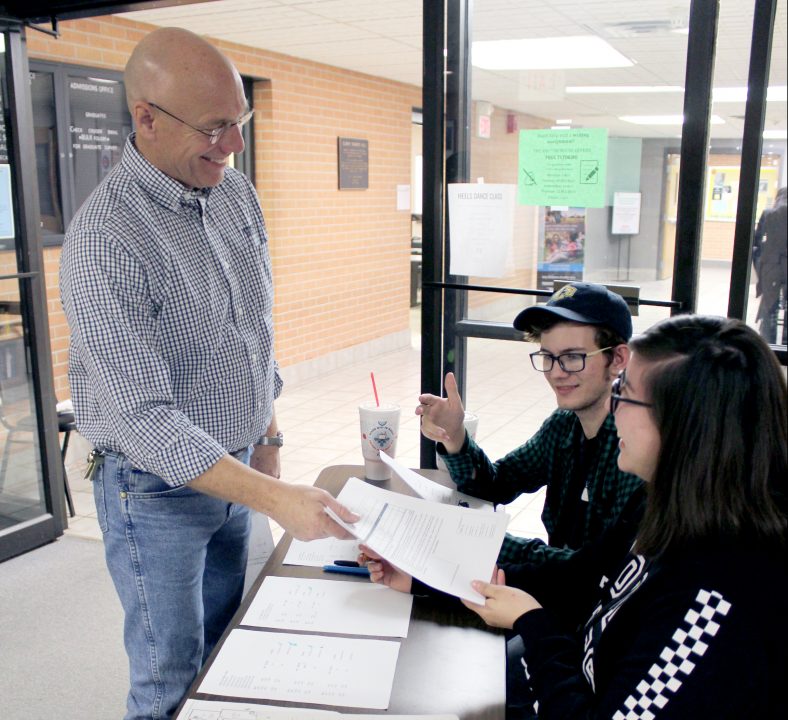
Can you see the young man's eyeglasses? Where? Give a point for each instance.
(615, 394)
(216, 132)
(568, 362)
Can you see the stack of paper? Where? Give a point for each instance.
(444, 546)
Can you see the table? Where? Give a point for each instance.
(451, 662)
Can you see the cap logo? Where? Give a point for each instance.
(565, 292)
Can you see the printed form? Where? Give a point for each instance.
(313, 669)
(330, 606)
(444, 546)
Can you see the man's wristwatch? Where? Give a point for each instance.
(276, 440)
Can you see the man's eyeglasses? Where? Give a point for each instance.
(568, 362)
(215, 133)
(615, 394)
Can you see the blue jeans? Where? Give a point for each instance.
(177, 558)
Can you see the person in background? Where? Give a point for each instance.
(770, 259)
(693, 623)
(582, 329)
(166, 283)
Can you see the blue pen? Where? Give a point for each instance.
(345, 570)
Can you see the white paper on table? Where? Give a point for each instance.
(221, 710)
(329, 606)
(261, 545)
(217, 710)
(316, 553)
(399, 717)
(481, 228)
(444, 546)
(314, 669)
(430, 490)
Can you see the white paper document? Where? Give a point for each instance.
(304, 669)
(330, 606)
(316, 553)
(261, 545)
(444, 546)
(481, 225)
(435, 492)
(217, 710)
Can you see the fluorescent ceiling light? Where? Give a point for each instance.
(776, 93)
(621, 89)
(560, 127)
(563, 121)
(775, 134)
(556, 53)
(663, 119)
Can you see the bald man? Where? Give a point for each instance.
(166, 282)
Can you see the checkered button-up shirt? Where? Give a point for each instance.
(549, 459)
(168, 294)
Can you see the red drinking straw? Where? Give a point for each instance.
(374, 388)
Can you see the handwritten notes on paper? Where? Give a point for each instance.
(213, 710)
(444, 546)
(316, 553)
(313, 669)
(331, 606)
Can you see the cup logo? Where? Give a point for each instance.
(381, 437)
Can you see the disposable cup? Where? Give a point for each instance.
(379, 430)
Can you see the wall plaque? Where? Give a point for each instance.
(353, 163)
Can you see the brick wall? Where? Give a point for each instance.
(341, 260)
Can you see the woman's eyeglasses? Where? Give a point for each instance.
(616, 397)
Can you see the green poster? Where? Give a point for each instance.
(562, 167)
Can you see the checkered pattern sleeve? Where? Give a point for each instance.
(525, 469)
(168, 295)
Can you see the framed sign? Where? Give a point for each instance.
(353, 163)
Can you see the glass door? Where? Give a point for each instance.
(583, 123)
(31, 475)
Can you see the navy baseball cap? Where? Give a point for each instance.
(586, 303)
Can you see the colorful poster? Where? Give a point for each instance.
(563, 249)
(722, 193)
(562, 167)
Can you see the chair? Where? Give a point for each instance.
(66, 424)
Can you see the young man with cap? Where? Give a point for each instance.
(583, 330)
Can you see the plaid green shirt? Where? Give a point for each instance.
(549, 458)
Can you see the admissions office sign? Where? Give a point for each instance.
(98, 128)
